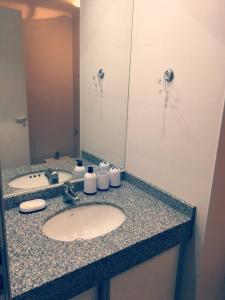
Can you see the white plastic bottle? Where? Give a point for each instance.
(115, 177)
(90, 182)
(79, 170)
(103, 180)
(104, 166)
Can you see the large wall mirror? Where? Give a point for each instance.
(64, 80)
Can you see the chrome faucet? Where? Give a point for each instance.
(69, 194)
(52, 176)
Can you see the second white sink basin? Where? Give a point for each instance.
(84, 222)
(36, 180)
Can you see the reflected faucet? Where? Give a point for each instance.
(52, 176)
(69, 194)
(57, 155)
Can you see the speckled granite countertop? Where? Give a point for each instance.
(42, 268)
(63, 164)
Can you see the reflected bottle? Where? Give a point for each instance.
(79, 170)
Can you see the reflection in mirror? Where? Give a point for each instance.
(105, 62)
(64, 80)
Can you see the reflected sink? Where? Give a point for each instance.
(36, 180)
(84, 222)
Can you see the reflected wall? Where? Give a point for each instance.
(105, 44)
(51, 68)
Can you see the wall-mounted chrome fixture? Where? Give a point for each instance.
(101, 74)
(168, 75)
(21, 120)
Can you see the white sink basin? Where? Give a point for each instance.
(84, 222)
(36, 180)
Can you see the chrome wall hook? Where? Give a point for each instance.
(168, 75)
(101, 74)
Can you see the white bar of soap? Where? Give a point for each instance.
(32, 205)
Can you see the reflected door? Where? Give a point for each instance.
(14, 138)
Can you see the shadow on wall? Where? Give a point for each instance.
(212, 276)
(172, 103)
(189, 269)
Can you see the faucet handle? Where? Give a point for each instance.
(49, 171)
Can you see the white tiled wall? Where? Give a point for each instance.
(105, 43)
(173, 145)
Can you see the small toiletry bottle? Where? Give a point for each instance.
(103, 180)
(95, 168)
(90, 182)
(104, 166)
(79, 170)
(115, 177)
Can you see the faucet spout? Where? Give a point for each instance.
(52, 176)
(69, 194)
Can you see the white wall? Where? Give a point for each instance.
(105, 43)
(174, 147)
